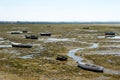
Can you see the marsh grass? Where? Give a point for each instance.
(43, 65)
(108, 61)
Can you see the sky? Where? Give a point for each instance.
(60, 10)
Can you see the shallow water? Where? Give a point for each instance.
(27, 57)
(1, 39)
(57, 39)
(94, 45)
(91, 30)
(5, 46)
(109, 71)
(116, 37)
(107, 52)
(111, 46)
(72, 52)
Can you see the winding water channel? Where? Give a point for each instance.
(72, 52)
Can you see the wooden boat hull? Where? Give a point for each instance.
(109, 34)
(22, 45)
(45, 34)
(16, 32)
(61, 58)
(90, 67)
(31, 37)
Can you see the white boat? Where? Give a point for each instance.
(90, 67)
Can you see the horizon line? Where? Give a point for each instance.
(59, 22)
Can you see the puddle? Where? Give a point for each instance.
(116, 37)
(94, 45)
(115, 41)
(27, 57)
(111, 46)
(1, 39)
(109, 71)
(106, 52)
(100, 36)
(57, 39)
(5, 46)
(6, 42)
(14, 32)
(91, 30)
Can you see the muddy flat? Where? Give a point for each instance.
(69, 40)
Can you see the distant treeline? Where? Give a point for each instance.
(27, 22)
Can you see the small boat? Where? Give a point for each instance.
(90, 67)
(21, 45)
(61, 58)
(109, 34)
(85, 27)
(45, 34)
(16, 32)
(31, 37)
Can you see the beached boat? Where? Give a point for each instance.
(90, 67)
(31, 37)
(109, 34)
(16, 32)
(21, 45)
(45, 34)
(61, 58)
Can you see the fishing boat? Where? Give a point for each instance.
(21, 45)
(90, 67)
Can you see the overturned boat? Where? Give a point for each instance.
(90, 67)
(19, 45)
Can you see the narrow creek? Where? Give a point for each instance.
(72, 52)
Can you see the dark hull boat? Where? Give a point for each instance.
(19, 45)
(45, 34)
(31, 37)
(16, 32)
(109, 34)
(61, 58)
(90, 67)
